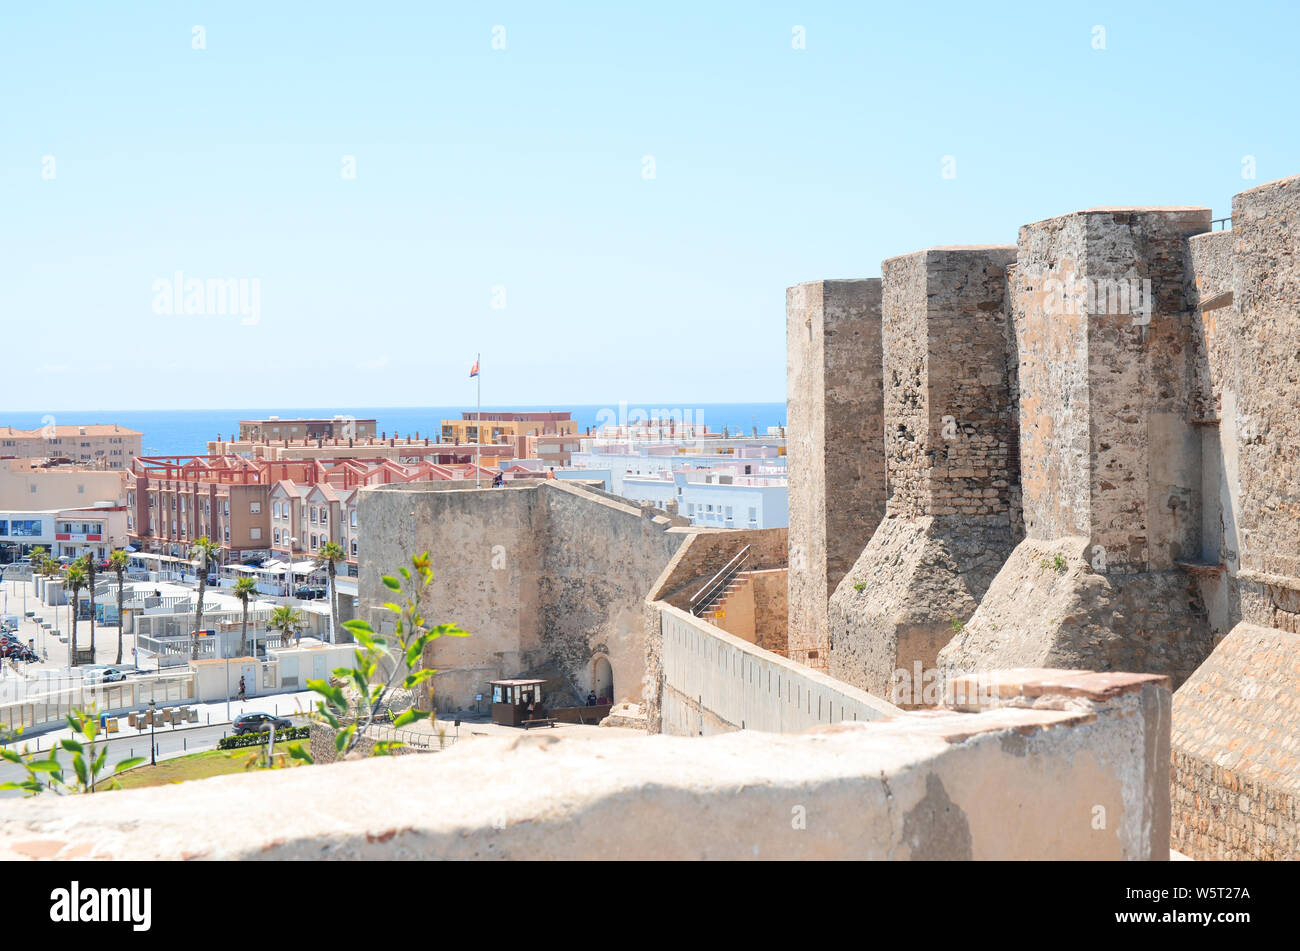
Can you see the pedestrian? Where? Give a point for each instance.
(242, 689)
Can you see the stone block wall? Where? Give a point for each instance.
(1236, 767)
(835, 441)
(1105, 319)
(950, 424)
(546, 578)
(1266, 300)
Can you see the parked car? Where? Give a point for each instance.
(310, 592)
(109, 675)
(260, 723)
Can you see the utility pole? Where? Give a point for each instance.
(478, 432)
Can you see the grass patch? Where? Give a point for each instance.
(198, 766)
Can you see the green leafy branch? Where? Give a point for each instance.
(47, 772)
(412, 634)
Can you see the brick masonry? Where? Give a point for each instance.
(1236, 761)
(835, 454)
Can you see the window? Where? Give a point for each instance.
(324, 516)
(255, 534)
(354, 518)
(275, 535)
(753, 514)
(313, 541)
(255, 508)
(354, 547)
(225, 508)
(313, 515)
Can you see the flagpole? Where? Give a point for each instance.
(478, 442)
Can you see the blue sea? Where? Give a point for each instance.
(186, 432)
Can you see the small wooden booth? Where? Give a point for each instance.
(519, 703)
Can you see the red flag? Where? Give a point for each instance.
(474, 372)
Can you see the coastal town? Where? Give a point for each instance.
(843, 472)
(231, 573)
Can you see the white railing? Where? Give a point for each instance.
(34, 703)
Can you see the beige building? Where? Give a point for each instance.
(304, 518)
(497, 426)
(24, 485)
(102, 445)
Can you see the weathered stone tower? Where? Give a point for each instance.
(950, 434)
(1236, 721)
(1110, 453)
(835, 452)
(1122, 389)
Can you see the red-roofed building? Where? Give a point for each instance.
(256, 509)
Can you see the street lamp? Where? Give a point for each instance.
(153, 746)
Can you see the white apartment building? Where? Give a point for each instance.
(714, 499)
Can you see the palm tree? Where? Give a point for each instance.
(205, 553)
(328, 556)
(88, 565)
(244, 589)
(76, 581)
(287, 621)
(36, 558)
(118, 562)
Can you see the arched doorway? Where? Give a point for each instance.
(602, 678)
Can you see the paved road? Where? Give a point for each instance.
(192, 740)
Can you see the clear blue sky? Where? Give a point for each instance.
(522, 168)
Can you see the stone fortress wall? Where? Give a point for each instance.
(1141, 504)
(951, 516)
(548, 578)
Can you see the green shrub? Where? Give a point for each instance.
(256, 739)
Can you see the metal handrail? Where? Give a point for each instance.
(703, 598)
(1223, 224)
